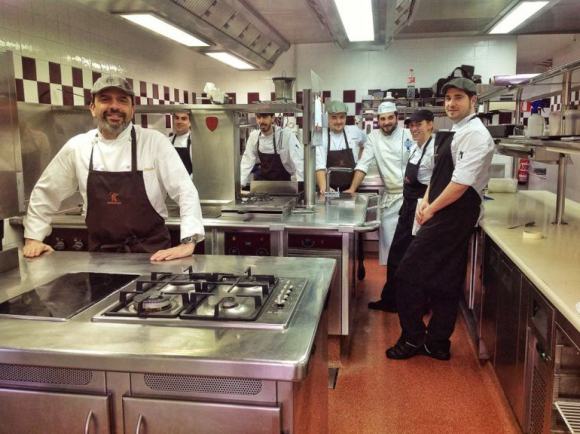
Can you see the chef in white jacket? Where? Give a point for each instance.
(123, 173)
(341, 146)
(389, 147)
(280, 154)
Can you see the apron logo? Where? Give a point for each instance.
(211, 122)
(114, 199)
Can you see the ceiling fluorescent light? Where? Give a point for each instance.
(151, 22)
(518, 15)
(357, 19)
(230, 60)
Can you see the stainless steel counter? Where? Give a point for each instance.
(243, 353)
(551, 262)
(347, 211)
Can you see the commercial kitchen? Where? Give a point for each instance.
(265, 328)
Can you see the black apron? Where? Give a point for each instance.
(185, 154)
(440, 247)
(340, 158)
(271, 167)
(412, 190)
(120, 217)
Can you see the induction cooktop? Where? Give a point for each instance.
(64, 297)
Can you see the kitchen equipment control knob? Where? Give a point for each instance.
(262, 252)
(280, 302)
(78, 244)
(308, 243)
(59, 245)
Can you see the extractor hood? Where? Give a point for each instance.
(226, 25)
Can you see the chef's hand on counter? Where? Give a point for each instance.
(33, 248)
(177, 252)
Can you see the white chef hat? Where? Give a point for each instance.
(387, 107)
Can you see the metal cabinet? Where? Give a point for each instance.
(487, 328)
(540, 364)
(34, 412)
(162, 416)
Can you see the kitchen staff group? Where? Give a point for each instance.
(124, 172)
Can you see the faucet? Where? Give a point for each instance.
(328, 194)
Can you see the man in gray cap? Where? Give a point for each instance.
(435, 262)
(341, 146)
(389, 147)
(123, 173)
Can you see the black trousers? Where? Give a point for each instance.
(434, 267)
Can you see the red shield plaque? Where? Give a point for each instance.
(211, 122)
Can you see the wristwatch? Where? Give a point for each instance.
(188, 240)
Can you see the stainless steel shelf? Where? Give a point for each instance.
(537, 83)
(265, 107)
(570, 412)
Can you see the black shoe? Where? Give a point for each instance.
(403, 350)
(383, 305)
(439, 355)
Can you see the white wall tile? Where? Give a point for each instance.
(42, 71)
(87, 78)
(66, 75)
(56, 94)
(17, 60)
(30, 91)
(11, 18)
(78, 96)
(63, 33)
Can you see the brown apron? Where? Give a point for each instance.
(120, 217)
(271, 167)
(340, 158)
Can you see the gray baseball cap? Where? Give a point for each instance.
(337, 107)
(108, 81)
(460, 83)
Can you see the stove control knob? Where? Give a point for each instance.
(262, 252)
(308, 243)
(291, 288)
(59, 245)
(78, 244)
(280, 302)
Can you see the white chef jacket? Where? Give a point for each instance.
(163, 173)
(289, 148)
(472, 149)
(356, 140)
(426, 167)
(391, 154)
(180, 141)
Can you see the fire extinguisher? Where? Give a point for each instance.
(523, 171)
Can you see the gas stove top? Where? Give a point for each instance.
(207, 300)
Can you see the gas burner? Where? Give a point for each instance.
(229, 303)
(154, 303)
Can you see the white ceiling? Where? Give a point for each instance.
(260, 30)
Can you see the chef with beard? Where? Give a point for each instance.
(280, 154)
(123, 173)
(389, 147)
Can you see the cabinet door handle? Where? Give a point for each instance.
(138, 430)
(88, 422)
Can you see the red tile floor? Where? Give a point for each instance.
(421, 395)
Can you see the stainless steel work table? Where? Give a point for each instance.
(243, 353)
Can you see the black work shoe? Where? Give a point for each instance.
(403, 350)
(439, 355)
(383, 305)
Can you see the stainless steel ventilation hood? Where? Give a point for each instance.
(227, 25)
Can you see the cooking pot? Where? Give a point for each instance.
(283, 88)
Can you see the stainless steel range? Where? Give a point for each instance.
(207, 300)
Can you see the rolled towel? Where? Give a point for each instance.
(502, 185)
